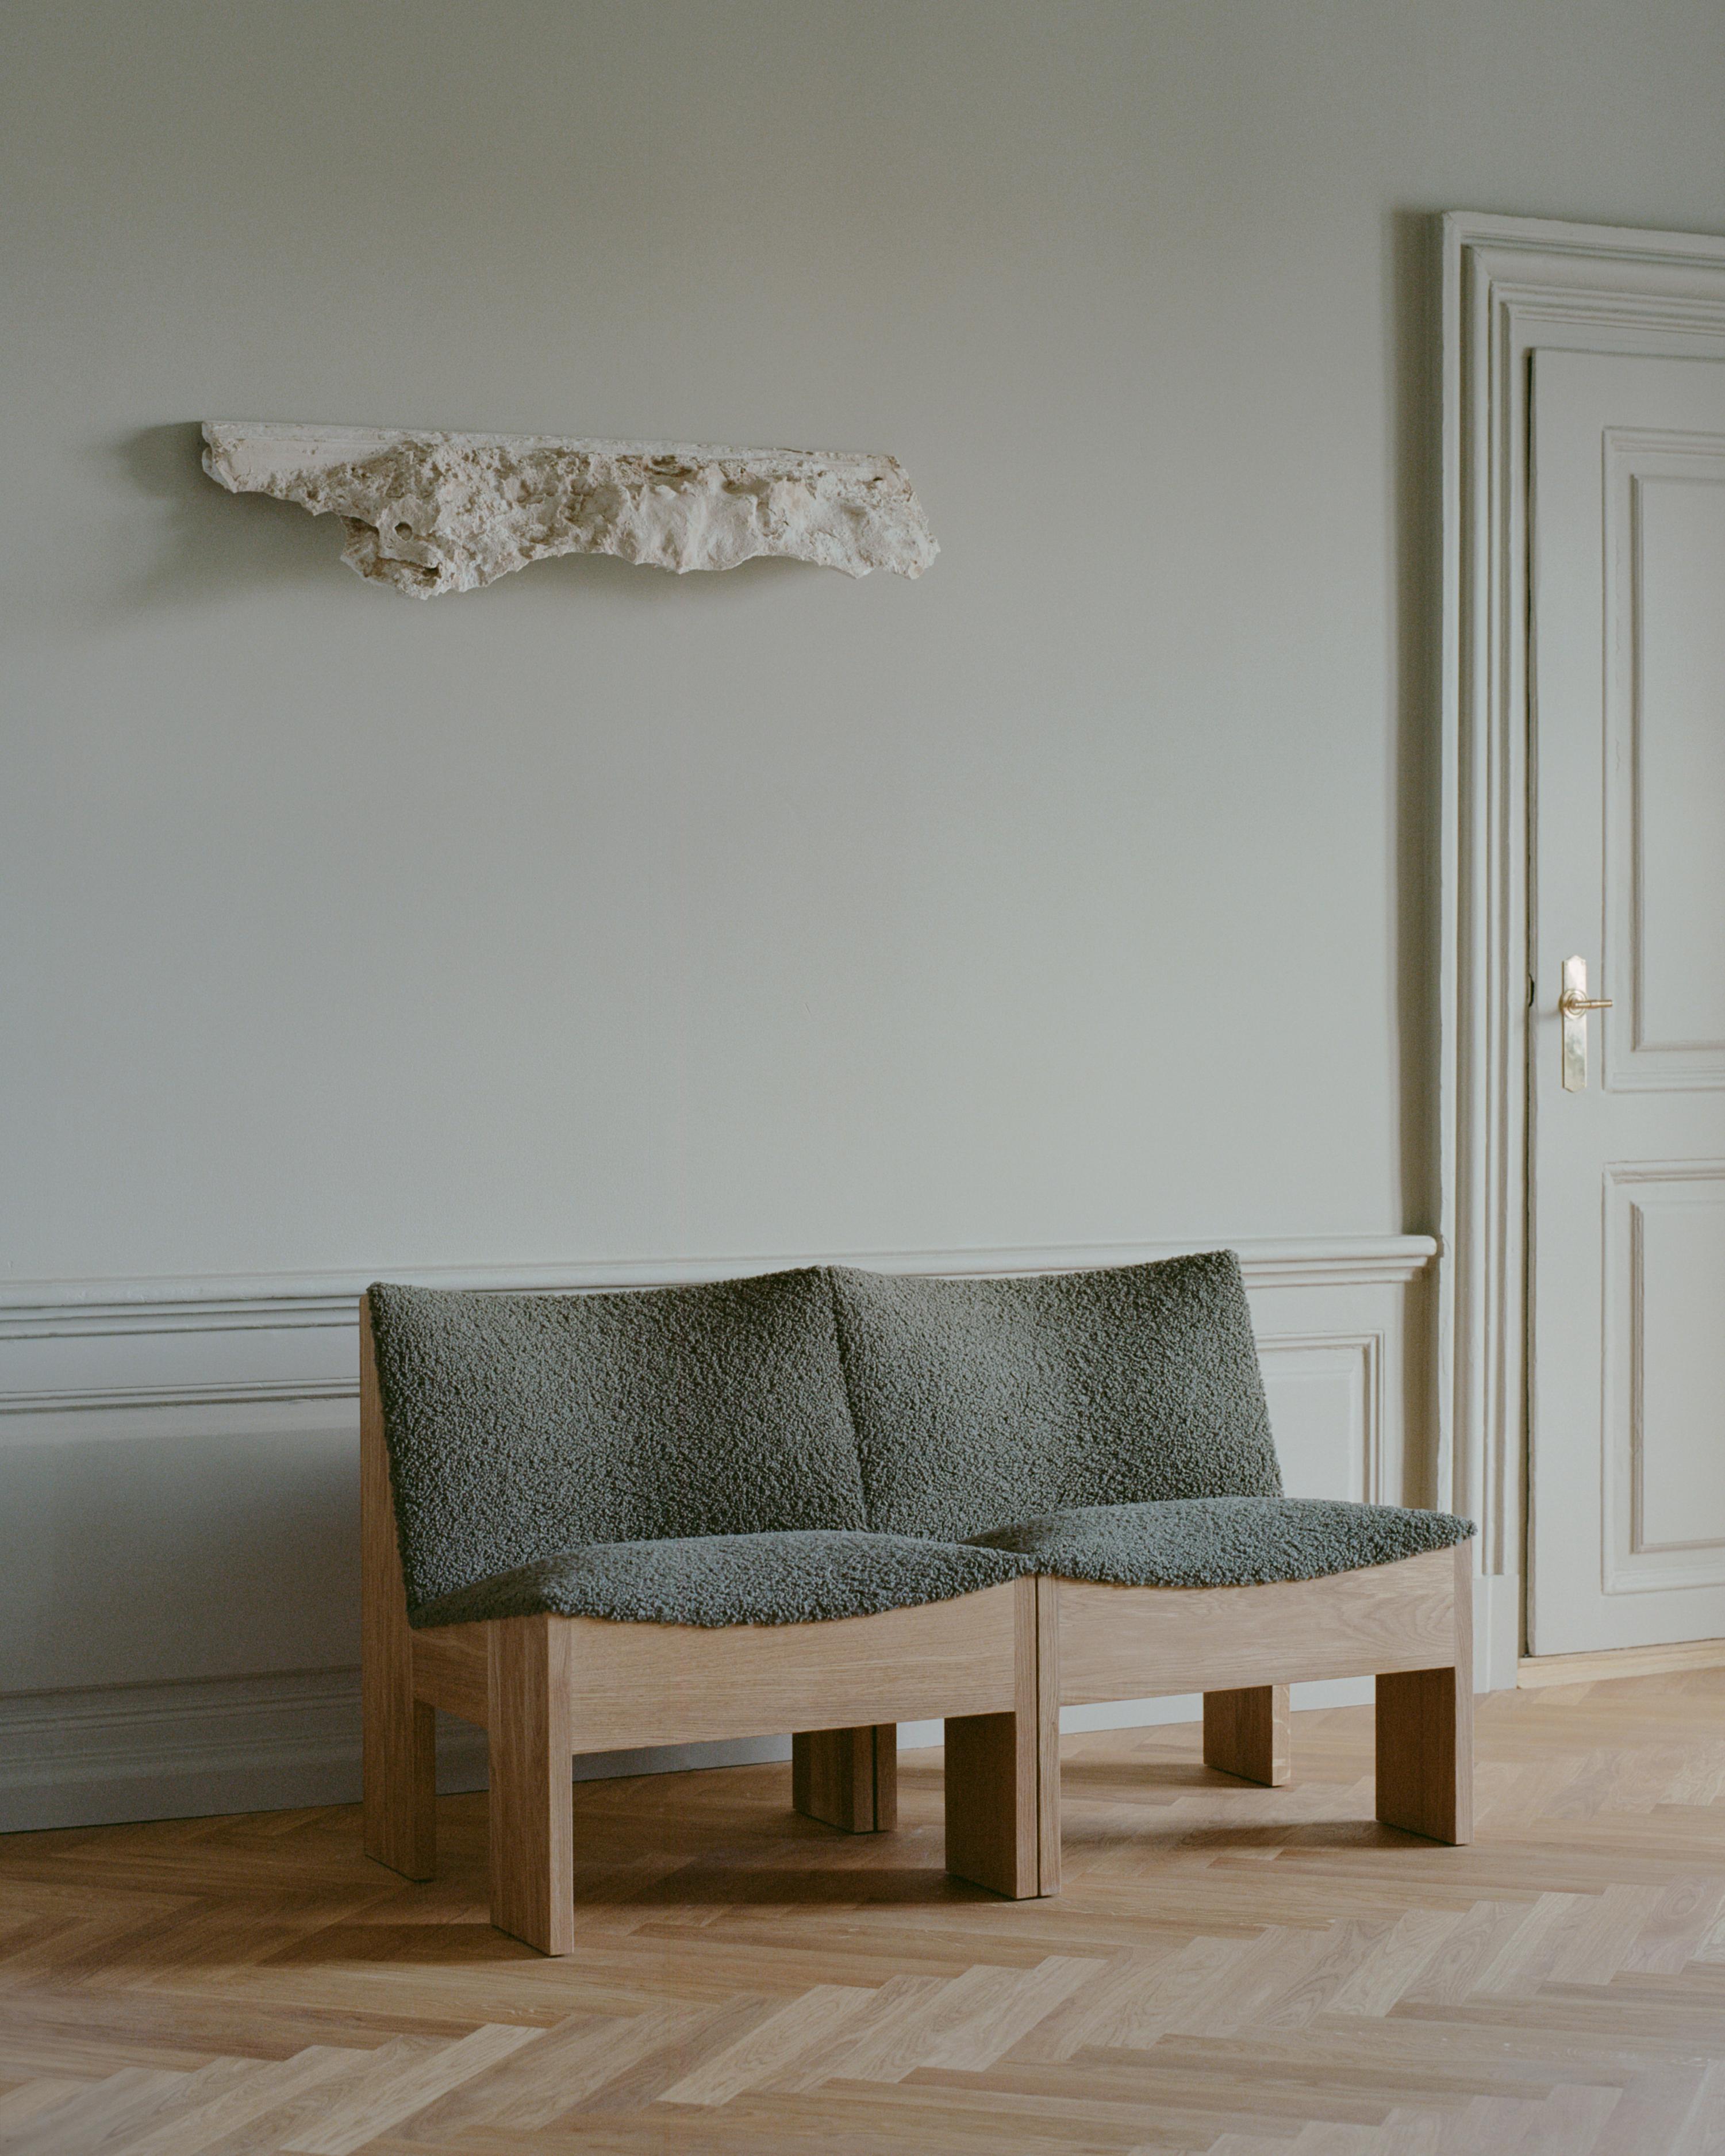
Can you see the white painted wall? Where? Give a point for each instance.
(1077, 893)
(604, 913)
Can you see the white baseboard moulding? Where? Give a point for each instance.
(1604, 1664)
(194, 1442)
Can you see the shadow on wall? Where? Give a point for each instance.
(216, 543)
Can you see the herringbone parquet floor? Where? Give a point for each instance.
(1241, 1971)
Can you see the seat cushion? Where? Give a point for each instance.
(520, 1425)
(1224, 1542)
(794, 1578)
(978, 1401)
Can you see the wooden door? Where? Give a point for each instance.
(1626, 1350)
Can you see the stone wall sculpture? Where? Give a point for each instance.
(434, 513)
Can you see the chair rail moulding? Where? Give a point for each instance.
(431, 513)
(214, 1302)
(1343, 1329)
(1510, 285)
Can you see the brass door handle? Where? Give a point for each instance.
(1573, 1004)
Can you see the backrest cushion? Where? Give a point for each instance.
(520, 1426)
(982, 1402)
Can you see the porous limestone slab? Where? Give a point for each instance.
(434, 513)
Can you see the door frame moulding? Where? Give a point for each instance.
(1510, 284)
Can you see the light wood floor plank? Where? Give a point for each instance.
(808, 2026)
(377, 2100)
(1231, 1971)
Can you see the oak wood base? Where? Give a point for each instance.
(847, 1777)
(1245, 1732)
(1424, 1739)
(547, 1687)
(1409, 1625)
(991, 1802)
(1003, 1770)
(530, 1821)
(1425, 1744)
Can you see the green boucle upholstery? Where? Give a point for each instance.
(794, 1578)
(978, 1401)
(1224, 1542)
(831, 1443)
(521, 1426)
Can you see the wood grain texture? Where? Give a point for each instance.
(668, 1684)
(847, 1777)
(1425, 1734)
(618, 1685)
(369, 2106)
(1135, 1642)
(1048, 1736)
(452, 1670)
(679, 1684)
(1245, 1732)
(398, 1732)
(993, 1785)
(1235, 1970)
(530, 1831)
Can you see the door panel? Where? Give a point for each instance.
(1664, 1364)
(1679, 1348)
(1665, 744)
(1626, 1392)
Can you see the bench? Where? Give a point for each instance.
(830, 1500)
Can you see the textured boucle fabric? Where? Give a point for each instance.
(1224, 1542)
(978, 1401)
(796, 1578)
(521, 1425)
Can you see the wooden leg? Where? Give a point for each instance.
(1426, 1735)
(397, 1731)
(991, 1802)
(1246, 1733)
(530, 1811)
(399, 1751)
(1048, 1736)
(994, 1771)
(1425, 1753)
(847, 1777)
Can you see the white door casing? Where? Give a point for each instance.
(1626, 1391)
(1510, 285)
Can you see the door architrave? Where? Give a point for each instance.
(1509, 284)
